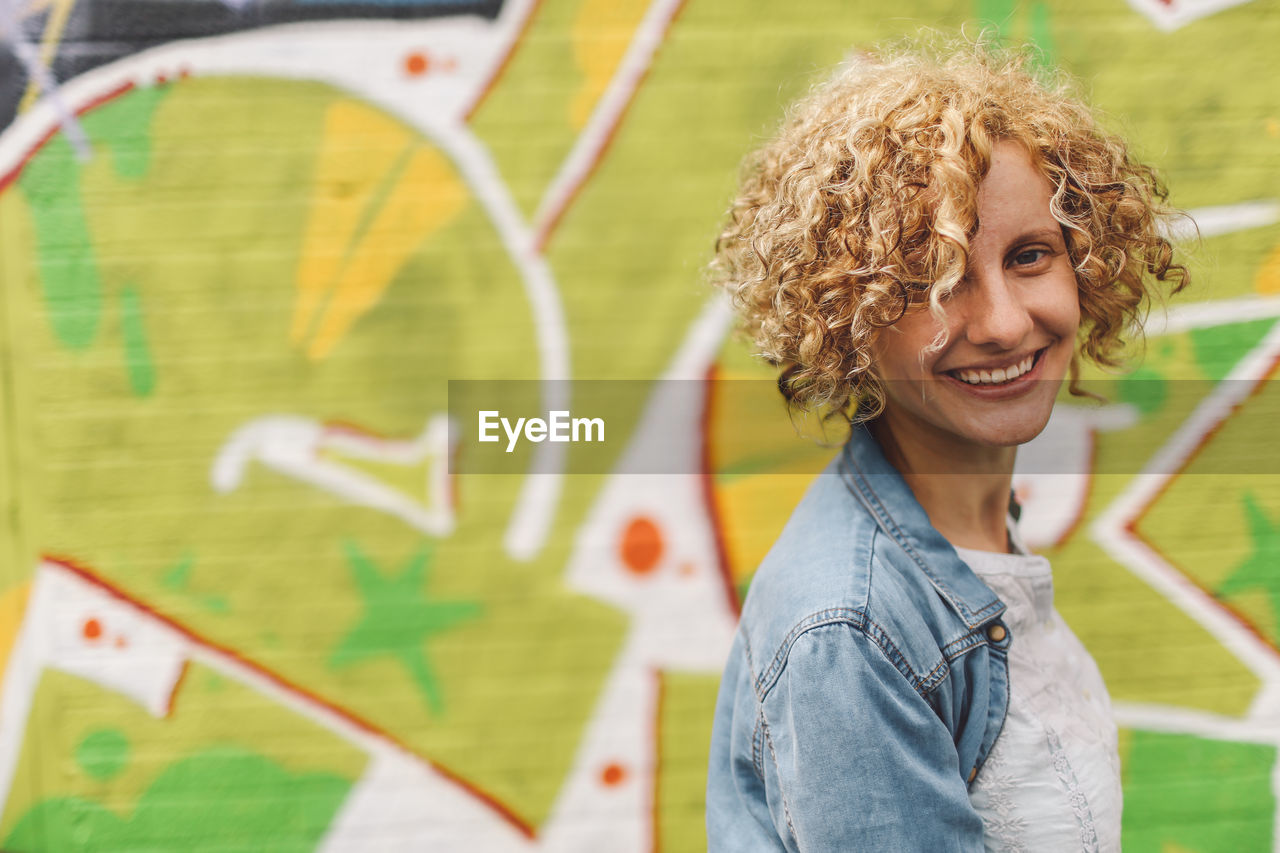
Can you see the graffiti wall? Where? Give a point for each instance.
(250, 598)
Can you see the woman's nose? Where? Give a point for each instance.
(995, 314)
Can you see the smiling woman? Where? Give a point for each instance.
(929, 246)
(1010, 332)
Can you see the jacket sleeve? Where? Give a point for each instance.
(855, 758)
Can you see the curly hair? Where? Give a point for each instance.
(865, 203)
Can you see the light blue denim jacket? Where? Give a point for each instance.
(865, 685)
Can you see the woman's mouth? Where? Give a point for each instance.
(1001, 382)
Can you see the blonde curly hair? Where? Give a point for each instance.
(865, 203)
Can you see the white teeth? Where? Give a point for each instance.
(999, 375)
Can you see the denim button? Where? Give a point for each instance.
(996, 633)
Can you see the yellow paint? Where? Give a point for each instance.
(1273, 128)
(365, 160)
(49, 41)
(411, 480)
(1268, 278)
(761, 467)
(601, 33)
(13, 603)
(752, 512)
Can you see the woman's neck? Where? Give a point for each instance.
(964, 490)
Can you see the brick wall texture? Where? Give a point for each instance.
(250, 597)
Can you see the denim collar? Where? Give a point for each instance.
(886, 495)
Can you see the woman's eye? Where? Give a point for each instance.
(1028, 257)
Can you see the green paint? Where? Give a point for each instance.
(209, 713)
(1258, 570)
(180, 574)
(242, 202)
(1217, 349)
(68, 271)
(219, 799)
(215, 603)
(137, 355)
(103, 753)
(125, 126)
(684, 728)
(995, 13)
(398, 618)
(1144, 389)
(1042, 35)
(1188, 793)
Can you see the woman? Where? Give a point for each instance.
(931, 243)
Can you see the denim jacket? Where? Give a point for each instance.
(867, 681)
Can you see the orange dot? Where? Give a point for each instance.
(450, 64)
(92, 629)
(416, 64)
(613, 774)
(162, 79)
(121, 641)
(688, 570)
(641, 545)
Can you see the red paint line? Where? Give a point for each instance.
(1204, 440)
(501, 68)
(12, 175)
(177, 685)
(86, 574)
(660, 696)
(709, 495)
(352, 428)
(1131, 526)
(552, 221)
(1242, 620)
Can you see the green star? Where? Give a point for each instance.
(398, 618)
(1262, 567)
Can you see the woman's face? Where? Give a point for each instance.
(1011, 326)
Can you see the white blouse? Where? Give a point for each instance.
(1052, 779)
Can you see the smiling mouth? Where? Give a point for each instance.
(999, 376)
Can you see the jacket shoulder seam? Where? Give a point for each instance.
(867, 627)
(786, 810)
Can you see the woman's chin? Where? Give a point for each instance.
(1007, 429)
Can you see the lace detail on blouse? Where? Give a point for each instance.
(1079, 802)
(1052, 778)
(1002, 824)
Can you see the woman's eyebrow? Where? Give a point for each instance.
(1037, 234)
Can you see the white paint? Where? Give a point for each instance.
(1110, 528)
(1203, 315)
(294, 446)
(1217, 220)
(1052, 473)
(1169, 15)
(607, 113)
(402, 804)
(436, 106)
(1169, 719)
(146, 669)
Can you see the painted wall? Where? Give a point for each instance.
(244, 246)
